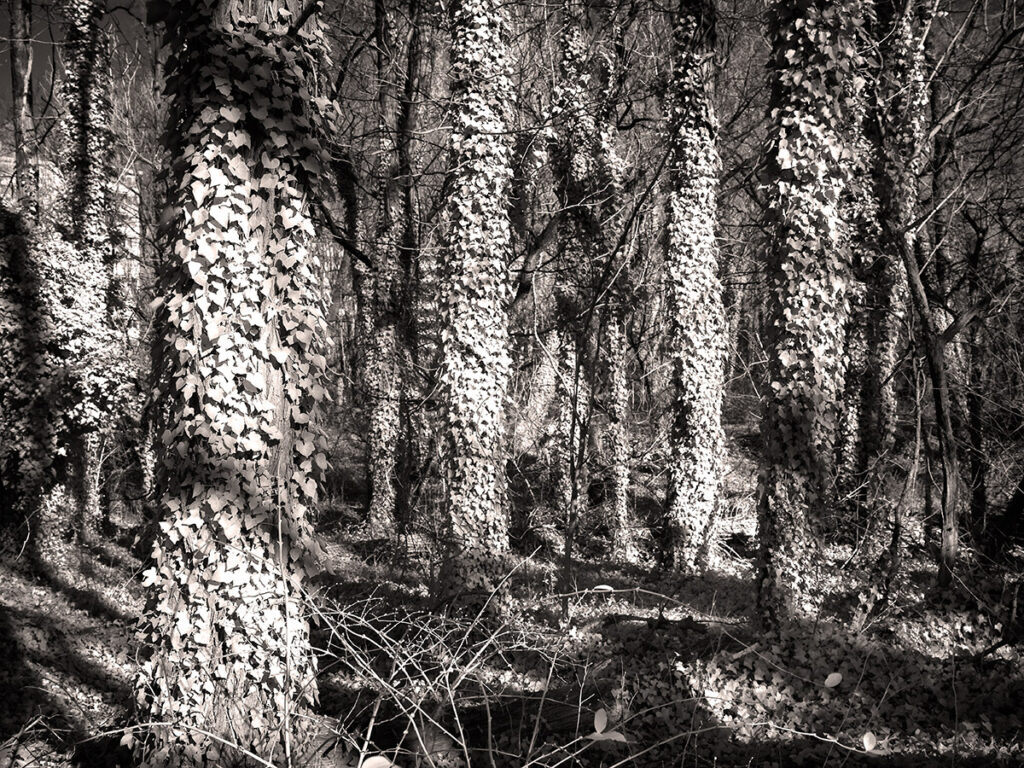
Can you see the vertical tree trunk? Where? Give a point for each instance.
(697, 314)
(618, 251)
(26, 156)
(907, 96)
(934, 352)
(475, 361)
(620, 523)
(592, 268)
(575, 169)
(410, 457)
(88, 166)
(813, 56)
(242, 370)
(382, 370)
(877, 302)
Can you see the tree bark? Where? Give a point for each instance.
(934, 351)
(475, 362)
(87, 163)
(813, 54)
(382, 369)
(697, 335)
(242, 373)
(902, 148)
(26, 157)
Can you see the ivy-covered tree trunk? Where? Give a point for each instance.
(26, 161)
(905, 94)
(475, 360)
(575, 169)
(813, 58)
(592, 275)
(572, 473)
(620, 523)
(382, 370)
(696, 311)
(62, 390)
(618, 252)
(242, 370)
(877, 312)
(88, 166)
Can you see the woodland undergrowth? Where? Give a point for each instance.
(643, 668)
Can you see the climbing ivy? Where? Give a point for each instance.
(589, 184)
(383, 380)
(814, 61)
(475, 360)
(241, 379)
(573, 155)
(612, 215)
(697, 332)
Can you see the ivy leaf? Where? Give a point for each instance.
(231, 114)
(197, 274)
(221, 214)
(377, 761)
(255, 382)
(600, 720)
(206, 250)
(833, 680)
(869, 741)
(608, 736)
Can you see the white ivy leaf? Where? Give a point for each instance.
(600, 720)
(197, 273)
(238, 167)
(608, 736)
(206, 250)
(869, 741)
(221, 214)
(231, 114)
(833, 680)
(603, 588)
(377, 761)
(255, 382)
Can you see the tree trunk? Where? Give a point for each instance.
(979, 461)
(620, 523)
(575, 169)
(934, 352)
(898, 183)
(382, 370)
(813, 52)
(88, 166)
(697, 340)
(242, 372)
(26, 156)
(475, 363)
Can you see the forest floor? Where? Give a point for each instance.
(647, 669)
